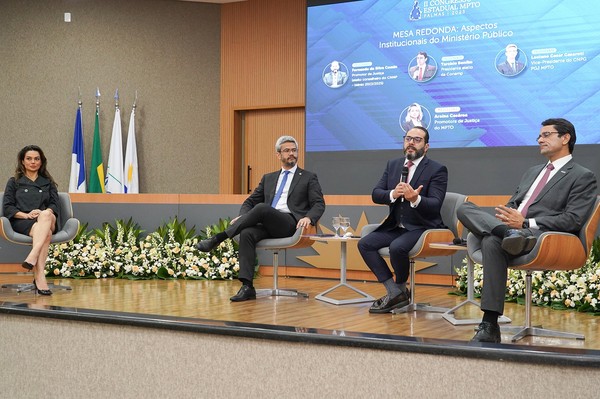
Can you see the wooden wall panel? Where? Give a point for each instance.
(262, 129)
(263, 58)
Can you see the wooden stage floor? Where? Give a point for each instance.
(210, 300)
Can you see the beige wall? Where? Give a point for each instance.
(79, 359)
(263, 58)
(169, 51)
(174, 53)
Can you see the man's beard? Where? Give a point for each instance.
(414, 155)
(291, 162)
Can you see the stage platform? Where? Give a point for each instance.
(203, 307)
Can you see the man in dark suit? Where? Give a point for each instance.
(555, 196)
(511, 66)
(422, 72)
(283, 201)
(415, 206)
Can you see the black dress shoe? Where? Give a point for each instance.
(27, 265)
(518, 242)
(246, 292)
(207, 245)
(487, 332)
(386, 304)
(41, 292)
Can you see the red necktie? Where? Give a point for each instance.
(420, 77)
(538, 189)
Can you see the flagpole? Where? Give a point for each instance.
(130, 170)
(114, 170)
(77, 179)
(97, 166)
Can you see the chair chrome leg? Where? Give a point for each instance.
(412, 306)
(26, 287)
(536, 331)
(544, 332)
(450, 314)
(423, 307)
(280, 292)
(56, 287)
(23, 287)
(276, 291)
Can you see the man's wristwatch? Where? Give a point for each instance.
(526, 224)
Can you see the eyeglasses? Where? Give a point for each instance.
(416, 140)
(288, 150)
(545, 135)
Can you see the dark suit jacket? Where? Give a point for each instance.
(506, 69)
(434, 178)
(304, 198)
(427, 73)
(25, 195)
(565, 201)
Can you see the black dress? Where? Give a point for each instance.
(24, 195)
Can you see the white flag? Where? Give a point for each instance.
(77, 180)
(114, 171)
(130, 173)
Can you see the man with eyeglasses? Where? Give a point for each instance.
(414, 197)
(284, 200)
(555, 196)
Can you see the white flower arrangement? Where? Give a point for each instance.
(574, 289)
(168, 253)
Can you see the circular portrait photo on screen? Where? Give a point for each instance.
(335, 74)
(414, 115)
(511, 61)
(422, 68)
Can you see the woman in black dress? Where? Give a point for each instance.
(31, 204)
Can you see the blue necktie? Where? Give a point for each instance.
(280, 189)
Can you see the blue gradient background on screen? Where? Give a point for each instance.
(509, 109)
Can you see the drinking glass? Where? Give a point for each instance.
(345, 224)
(335, 221)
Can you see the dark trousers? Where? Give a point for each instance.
(400, 241)
(261, 222)
(495, 260)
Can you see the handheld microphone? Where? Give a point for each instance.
(403, 178)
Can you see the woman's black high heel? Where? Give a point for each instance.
(27, 265)
(41, 292)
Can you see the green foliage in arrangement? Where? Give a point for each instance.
(120, 250)
(570, 289)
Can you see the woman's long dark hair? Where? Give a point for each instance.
(20, 170)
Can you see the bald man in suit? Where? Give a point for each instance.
(562, 204)
(284, 200)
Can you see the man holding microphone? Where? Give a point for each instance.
(415, 199)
